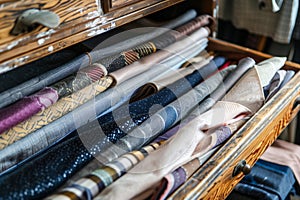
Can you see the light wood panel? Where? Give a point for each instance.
(70, 12)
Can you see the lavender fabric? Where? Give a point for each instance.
(26, 107)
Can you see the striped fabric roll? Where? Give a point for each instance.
(92, 184)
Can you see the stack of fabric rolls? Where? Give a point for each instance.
(139, 116)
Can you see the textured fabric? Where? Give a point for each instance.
(40, 176)
(26, 107)
(284, 153)
(144, 64)
(190, 142)
(266, 181)
(9, 96)
(100, 178)
(81, 79)
(54, 112)
(173, 180)
(247, 15)
(164, 118)
(47, 135)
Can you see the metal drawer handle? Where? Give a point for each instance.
(30, 19)
(243, 167)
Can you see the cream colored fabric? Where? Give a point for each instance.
(267, 69)
(173, 76)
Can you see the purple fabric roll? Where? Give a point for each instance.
(26, 107)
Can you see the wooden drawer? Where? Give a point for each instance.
(70, 12)
(215, 180)
(79, 20)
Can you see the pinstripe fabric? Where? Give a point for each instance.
(54, 112)
(95, 182)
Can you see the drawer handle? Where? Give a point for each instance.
(243, 167)
(31, 18)
(296, 102)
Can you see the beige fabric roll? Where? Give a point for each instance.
(147, 62)
(167, 79)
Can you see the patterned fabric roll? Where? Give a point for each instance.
(100, 178)
(47, 135)
(78, 81)
(38, 177)
(29, 106)
(127, 57)
(54, 112)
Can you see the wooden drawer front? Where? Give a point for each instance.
(70, 12)
(111, 5)
(214, 180)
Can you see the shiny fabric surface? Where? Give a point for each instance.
(26, 107)
(242, 101)
(29, 106)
